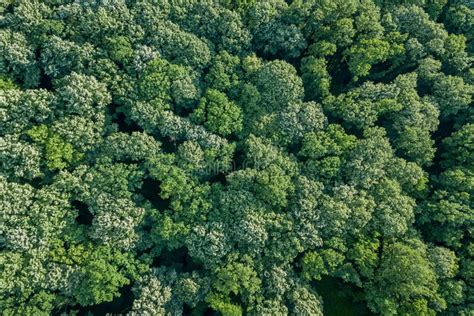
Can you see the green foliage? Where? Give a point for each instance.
(238, 157)
(452, 94)
(414, 291)
(313, 266)
(58, 153)
(278, 84)
(180, 47)
(18, 58)
(223, 305)
(120, 49)
(19, 159)
(224, 72)
(237, 278)
(101, 271)
(459, 147)
(332, 141)
(6, 84)
(60, 56)
(162, 81)
(218, 114)
(316, 78)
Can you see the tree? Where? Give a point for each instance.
(278, 85)
(446, 267)
(414, 291)
(164, 290)
(78, 94)
(368, 160)
(60, 57)
(333, 22)
(223, 28)
(59, 154)
(99, 271)
(304, 301)
(459, 147)
(452, 94)
(18, 58)
(276, 34)
(237, 277)
(416, 22)
(414, 123)
(288, 126)
(332, 141)
(19, 159)
(225, 72)
(180, 47)
(459, 20)
(361, 107)
(450, 204)
(124, 147)
(120, 49)
(218, 114)
(162, 82)
(316, 78)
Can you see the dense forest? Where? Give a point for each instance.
(236, 157)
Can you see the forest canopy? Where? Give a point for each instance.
(236, 157)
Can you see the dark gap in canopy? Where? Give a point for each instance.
(124, 124)
(179, 259)
(85, 217)
(151, 191)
